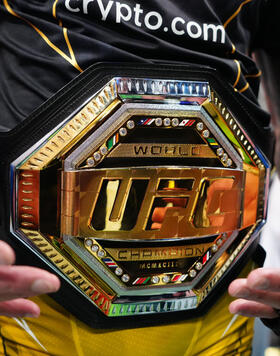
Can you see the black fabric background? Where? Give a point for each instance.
(31, 71)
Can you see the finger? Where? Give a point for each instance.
(252, 309)
(239, 284)
(239, 288)
(7, 255)
(19, 308)
(24, 281)
(265, 279)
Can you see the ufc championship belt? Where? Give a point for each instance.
(143, 187)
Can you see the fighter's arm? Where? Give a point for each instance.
(19, 282)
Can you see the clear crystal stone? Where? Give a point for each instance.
(224, 157)
(123, 131)
(90, 161)
(192, 273)
(155, 279)
(229, 162)
(88, 242)
(214, 248)
(97, 156)
(103, 150)
(101, 253)
(118, 271)
(158, 121)
(125, 278)
(130, 124)
(95, 248)
(166, 121)
(175, 122)
(205, 133)
(199, 126)
(166, 279)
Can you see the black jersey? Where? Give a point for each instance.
(44, 44)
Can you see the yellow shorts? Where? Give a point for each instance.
(57, 332)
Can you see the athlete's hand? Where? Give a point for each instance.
(259, 294)
(19, 282)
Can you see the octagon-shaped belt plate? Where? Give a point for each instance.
(144, 197)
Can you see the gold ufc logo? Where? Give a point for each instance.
(149, 203)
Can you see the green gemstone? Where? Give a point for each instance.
(110, 143)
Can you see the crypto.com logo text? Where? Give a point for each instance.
(121, 12)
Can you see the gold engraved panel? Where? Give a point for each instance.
(158, 253)
(110, 203)
(162, 150)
